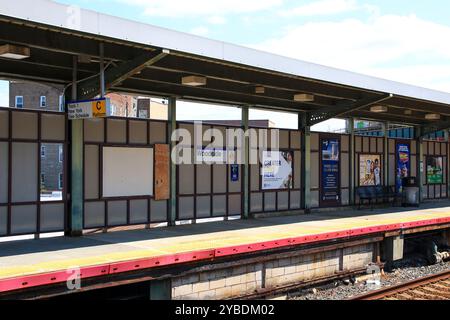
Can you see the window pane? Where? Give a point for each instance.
(52, 172)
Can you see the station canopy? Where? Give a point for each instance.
(39, 40)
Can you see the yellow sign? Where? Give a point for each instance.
(99, 109)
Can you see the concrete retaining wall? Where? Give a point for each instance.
(238, 281)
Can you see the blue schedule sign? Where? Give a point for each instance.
(234, 172)
(330, 190)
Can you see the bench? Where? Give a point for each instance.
(374, 194)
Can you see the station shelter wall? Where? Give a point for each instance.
(344, 168)
(434, 189)
(102, 211)
(263, 200)
(207, 190)
(22, 208)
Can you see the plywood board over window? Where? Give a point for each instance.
(127, 172)
(162, 160)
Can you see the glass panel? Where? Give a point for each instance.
(52, 171)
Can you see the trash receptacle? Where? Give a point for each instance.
(411, 192)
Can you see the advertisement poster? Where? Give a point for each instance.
(277, 170)
(369, 170)
(403, 164)
(435, 172)
(330, 170)
(234, 172)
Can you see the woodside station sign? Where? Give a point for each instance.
(87, 109)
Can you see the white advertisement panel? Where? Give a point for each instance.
(277, 170)
(127, 172)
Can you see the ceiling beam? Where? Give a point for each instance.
(205, 94)
(90, 87)
(264, 78)
(63, 42)
(345, 108)
(172, 78)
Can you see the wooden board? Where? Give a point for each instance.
(162, 177)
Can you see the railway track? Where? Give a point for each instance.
(434, 287)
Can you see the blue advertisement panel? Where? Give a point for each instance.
(330, 185)
(403, 164)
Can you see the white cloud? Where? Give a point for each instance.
(182, 8)
(200, 31)
(321, 8)
(373, 47)
(216, 20)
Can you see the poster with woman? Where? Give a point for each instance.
(369, 170)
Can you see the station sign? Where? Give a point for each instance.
(88, 109)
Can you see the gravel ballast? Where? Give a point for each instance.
(402, 272)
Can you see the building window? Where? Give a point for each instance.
(61, 181)
(61, 103)
(42, 179)
(43, 102)
(61, 154)
(43, 150)
(19, 102)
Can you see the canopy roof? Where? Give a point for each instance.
(146, 59)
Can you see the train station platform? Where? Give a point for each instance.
(33, 263)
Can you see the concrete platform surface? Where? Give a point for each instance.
(140, 249)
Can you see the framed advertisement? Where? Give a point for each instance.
(277, 172)
(403, 163)
(370, 170)
(435, 170)
(330, 171)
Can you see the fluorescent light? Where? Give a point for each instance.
(304, 97)
(194, 81)
(260, 90)
(433, 116)
(10, 51)
(379, 109)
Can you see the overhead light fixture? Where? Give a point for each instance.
(10, 51)
(433, 116)
(194, 81)
(408, 112)
(379, 109)
(304, 97)
(260, 90)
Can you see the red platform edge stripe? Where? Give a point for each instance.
(43, 279)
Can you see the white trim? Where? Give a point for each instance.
(61, 16)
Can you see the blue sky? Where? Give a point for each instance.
(399, 40)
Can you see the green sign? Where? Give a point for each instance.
(435, 173)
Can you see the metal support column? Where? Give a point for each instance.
(351, 132)
(306, 162)
(385, 172)
(420, 161)
(102, 70)
(76, 168)
(246, 167)
(102, 85)
(172, 126)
